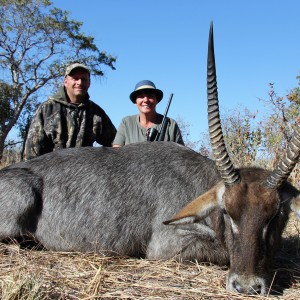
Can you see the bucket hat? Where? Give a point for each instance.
(146, 86)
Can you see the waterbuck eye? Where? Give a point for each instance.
(265, 231)
(276, 215)
(234, 227)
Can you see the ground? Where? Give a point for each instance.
(40, 274)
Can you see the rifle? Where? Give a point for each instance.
(158, 135)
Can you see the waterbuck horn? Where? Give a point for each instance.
(229, 175)
(288, 162)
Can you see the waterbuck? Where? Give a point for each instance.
(157, 200)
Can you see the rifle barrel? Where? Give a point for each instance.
(163, 127)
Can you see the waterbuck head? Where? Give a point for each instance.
(253, 204)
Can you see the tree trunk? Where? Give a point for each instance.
(2, 140)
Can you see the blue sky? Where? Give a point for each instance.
(256, 42)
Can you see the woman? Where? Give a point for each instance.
(136, 128)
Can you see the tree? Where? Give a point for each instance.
(202, 145)
(262, 142)
(37, 42)
(5, 103)
(185, 132)
(242, 136)
(278, 126)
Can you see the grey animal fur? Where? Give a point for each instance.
(107, 199)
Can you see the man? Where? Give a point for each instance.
(136, 128)
(69, 118)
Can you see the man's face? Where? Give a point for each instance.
(146, 102)
(77, 84)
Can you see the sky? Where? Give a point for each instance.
(165, 41)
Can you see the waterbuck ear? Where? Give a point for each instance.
(200, 207)
(295, 205)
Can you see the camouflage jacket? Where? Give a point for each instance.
(59, 124)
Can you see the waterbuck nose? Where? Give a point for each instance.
(254, 289)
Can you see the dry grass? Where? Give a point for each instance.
(38, 274)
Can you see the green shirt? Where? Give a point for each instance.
(130, 131)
